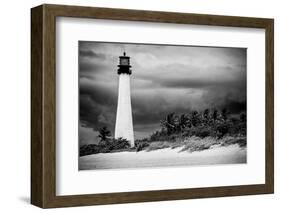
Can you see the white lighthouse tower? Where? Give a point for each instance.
(124, 120)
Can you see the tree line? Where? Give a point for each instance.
(176, 127)
(201, 124)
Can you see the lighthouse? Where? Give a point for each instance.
(124, 120)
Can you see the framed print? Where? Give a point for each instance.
(137, 106)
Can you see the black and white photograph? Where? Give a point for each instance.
(159, 105)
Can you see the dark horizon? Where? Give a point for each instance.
(164, 79)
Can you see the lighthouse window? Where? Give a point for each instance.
(124, 61)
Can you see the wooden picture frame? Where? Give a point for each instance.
(43, 105)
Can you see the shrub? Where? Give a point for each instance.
(222, 130)
(119, 143)
(140, 145)
(104, 147)
(89, 149)
(242, 142)
(163, 136)
(205, 132)
(202, 131)
(158, 145)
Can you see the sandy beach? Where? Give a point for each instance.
(232, 154)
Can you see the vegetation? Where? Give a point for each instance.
(104, 134)
(197, 131)
(193, 131)
(201, 125)
(106, 146)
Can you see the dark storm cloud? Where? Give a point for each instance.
(87, 69)
(95, 115)
(97, 104)
(195, 83)
(98, 91)
(165, 79)
(90, 54)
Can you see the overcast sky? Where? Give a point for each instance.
(164, 79)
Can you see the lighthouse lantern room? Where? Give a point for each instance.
(124, 64)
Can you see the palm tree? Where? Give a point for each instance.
(104, 133)
(224, 114)
(169, 123)
(215, 115)
(183, 122)
(195, 118)
(206, 116)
